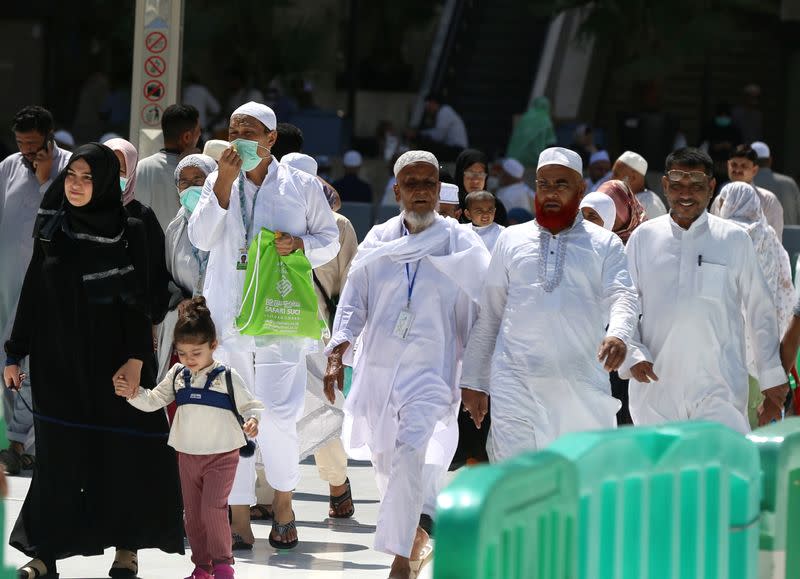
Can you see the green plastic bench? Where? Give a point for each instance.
(514, 520)
(680, 501)
(779, 445)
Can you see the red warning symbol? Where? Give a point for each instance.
(155, 66)
(154, 90)
(156, 42)
(151, 115)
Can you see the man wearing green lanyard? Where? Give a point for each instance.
(249, 191)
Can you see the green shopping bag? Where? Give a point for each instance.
(279, 297)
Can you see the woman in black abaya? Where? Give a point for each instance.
(105, 476)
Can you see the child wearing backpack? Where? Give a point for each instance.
(216, 414)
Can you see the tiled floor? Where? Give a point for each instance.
(328, 549)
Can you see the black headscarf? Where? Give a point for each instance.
(98, 228)
(103, 216)
(466, 158)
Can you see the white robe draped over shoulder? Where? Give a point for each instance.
(389, 371)
(535, 351)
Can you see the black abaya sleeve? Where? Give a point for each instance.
(138, 333)
(19, 344)
(159, 276)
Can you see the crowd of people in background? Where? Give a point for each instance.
(499, 307)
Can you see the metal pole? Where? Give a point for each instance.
(155, 83)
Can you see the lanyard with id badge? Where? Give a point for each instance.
(247, 221)
(406, 317)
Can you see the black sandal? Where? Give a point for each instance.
(282, 530)
(335, 502)
(11, 459)
(125, 565)
(35, 569)
(239, 544)
(27, 461)
(261, 513)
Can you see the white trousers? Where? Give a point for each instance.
(408, 487)
(277, 375)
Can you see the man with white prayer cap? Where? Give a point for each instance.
(449, 205)
(782, 185)
(351, 187)
(599, 208)
(401, 410)
(540, 348)
(251, 190)
(631, 168)
(599, 170)
(513, 191)
(700, 288)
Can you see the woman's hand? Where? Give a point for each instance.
(12, 377)
(126, 379)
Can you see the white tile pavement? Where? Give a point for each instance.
(328, 549)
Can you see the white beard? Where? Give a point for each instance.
(417, 221)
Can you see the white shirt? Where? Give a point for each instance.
(772, 209)
(652, 204)
(449, 261)
(449, 128)
(199, 429)
(20, 197)
(289, 201)
(693, 287)
(201, 98)
(535, 351)
(516, 195)
(488, 234)
(155, 185)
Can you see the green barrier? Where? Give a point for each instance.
(5, 571)
(680, 501)
(779, 445)
(515, 520)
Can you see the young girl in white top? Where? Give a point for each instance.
(214, 408)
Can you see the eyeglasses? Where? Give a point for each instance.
(695, 177)
(474, 175)
(559, 186)
(185, 183)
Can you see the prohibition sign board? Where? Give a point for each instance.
(154, 90)
(155, 66)
(156, 42)
(151, 115)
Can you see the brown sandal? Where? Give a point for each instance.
(261, 513)
(125, 565)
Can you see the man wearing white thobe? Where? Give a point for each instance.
(540, 349)
(514, 192)
(632, 168)
(252, 190)
(743, 166)
(696, 275)
(410, 299)
(24, 178)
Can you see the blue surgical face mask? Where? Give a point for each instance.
(190, 196)
(248, 151)
(122, 182)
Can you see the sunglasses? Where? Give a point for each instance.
(695, 177)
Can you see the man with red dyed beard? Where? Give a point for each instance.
(540, 348)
